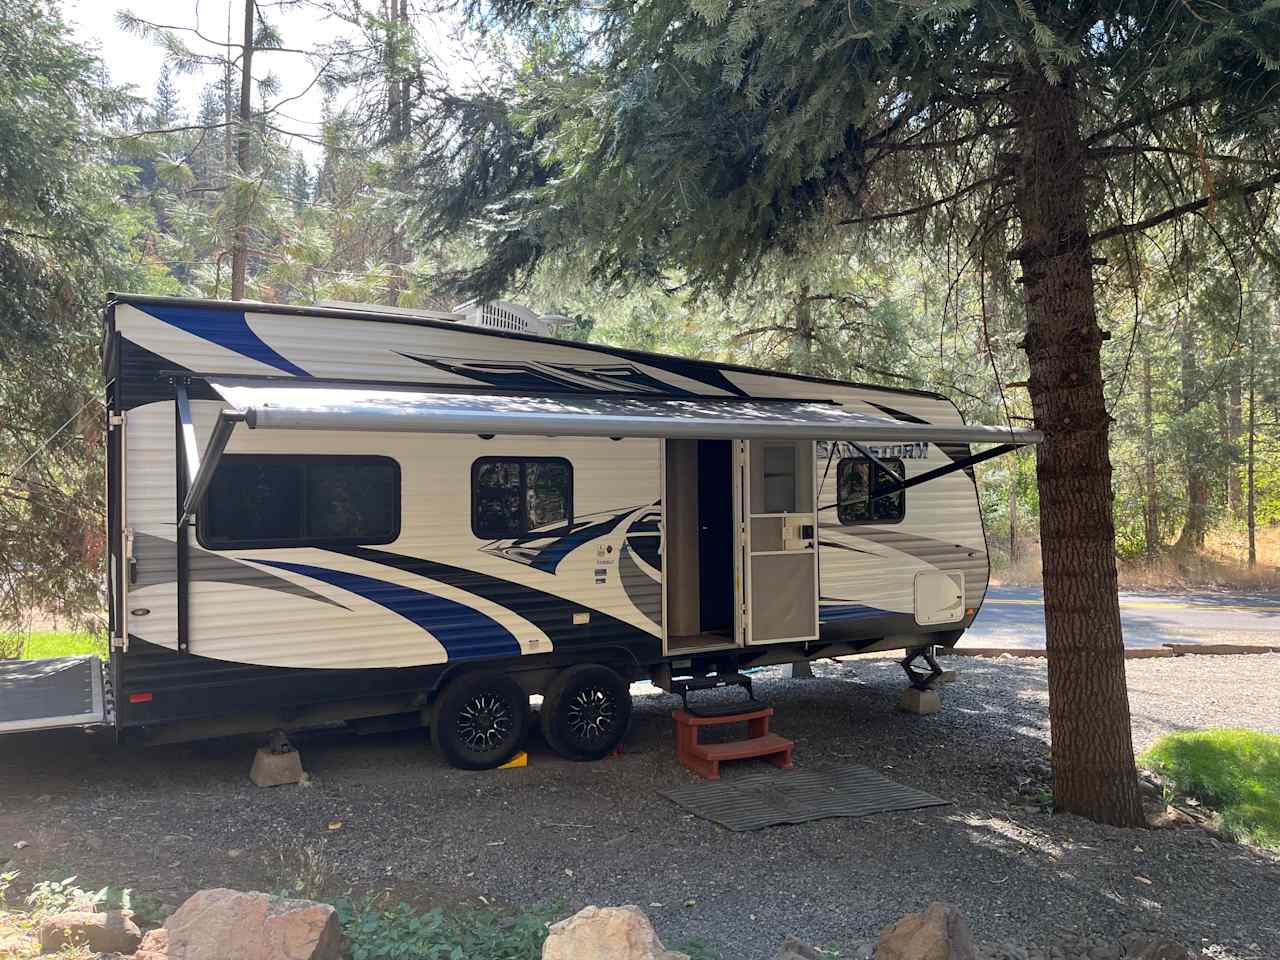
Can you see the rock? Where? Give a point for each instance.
(939, 933)
(606, 933)
(218, 924)
(110, 932)
(154, 946)
(276, 769)
(1171, 818)
(793, 949)
(1158, 950)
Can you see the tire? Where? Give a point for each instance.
(480, 721)
(585, 711)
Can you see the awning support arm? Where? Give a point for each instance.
(202, 475)
(989, 454)
(876, 460)
(899, 484)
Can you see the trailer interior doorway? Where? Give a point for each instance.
(699, 545)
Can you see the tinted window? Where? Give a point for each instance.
(780, 479)
(857, 483)
(290, 501)
(512, 498)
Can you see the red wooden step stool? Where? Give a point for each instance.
(704, 759)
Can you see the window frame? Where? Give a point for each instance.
(306, 459)
(872, 470)
(480, 462)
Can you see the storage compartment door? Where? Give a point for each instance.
(939, 598)
(774, 501)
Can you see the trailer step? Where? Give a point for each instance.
(715, 682)
(53, 693)
(704, 759)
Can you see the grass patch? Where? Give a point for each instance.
(53, 643)
(378, 931)
(1235, 773)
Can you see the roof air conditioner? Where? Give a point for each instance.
(502, 315)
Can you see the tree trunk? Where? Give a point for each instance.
(1235, 426)
(240, 242)
(1151, 513)
(802, 345)
(1197, 522)
(1013, 508)
(1251, 505)
(1094, 772)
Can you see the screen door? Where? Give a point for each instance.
(777, 535)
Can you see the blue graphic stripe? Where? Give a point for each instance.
(465, 634)
(849, 611)
(549, 557)
(551, 614)
(226, 328)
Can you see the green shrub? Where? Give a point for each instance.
(399, 932)
(1234, 773)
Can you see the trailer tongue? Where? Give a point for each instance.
(47, 694)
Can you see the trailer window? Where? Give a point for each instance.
(520, 496)
(857, 482)
(287, 500)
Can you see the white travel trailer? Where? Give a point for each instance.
(342, 513)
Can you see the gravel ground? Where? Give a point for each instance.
(169, 820)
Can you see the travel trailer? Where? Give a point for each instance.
(352, 513)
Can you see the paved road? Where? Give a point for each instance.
(1014, 617)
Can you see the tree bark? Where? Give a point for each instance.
(240, 241)
(1094, 771)
(1151, 511)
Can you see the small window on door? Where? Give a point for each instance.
(860, 496)
(520, 497)
(780, 479)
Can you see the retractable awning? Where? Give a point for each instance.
(308, 406)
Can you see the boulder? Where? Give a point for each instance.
(939, 933)
(218, 924)
(111, 932)
(154, 946)
(606, 933)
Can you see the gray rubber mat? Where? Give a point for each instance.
(797, 796)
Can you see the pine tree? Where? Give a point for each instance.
(700, 136)
(166, 106)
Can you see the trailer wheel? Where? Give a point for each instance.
(480, 721)
(585, 711)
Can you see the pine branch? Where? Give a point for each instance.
(930, 205)
(1124, 229)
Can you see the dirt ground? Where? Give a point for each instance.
(384, 812)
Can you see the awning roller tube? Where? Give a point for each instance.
(271, 405)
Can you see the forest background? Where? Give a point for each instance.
(110, 188)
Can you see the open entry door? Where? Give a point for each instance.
(776, 560)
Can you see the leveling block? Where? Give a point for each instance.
(521, 759)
